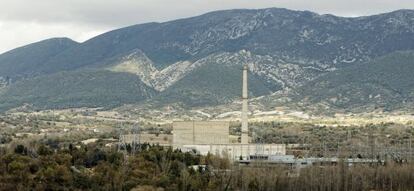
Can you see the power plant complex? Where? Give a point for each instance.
(212, 137)
(204, 137)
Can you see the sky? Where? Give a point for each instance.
(27, 21)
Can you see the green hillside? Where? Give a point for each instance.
(27, 60)
(76, 89)
(386, 82)
(211, 85)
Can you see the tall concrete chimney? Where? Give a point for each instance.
(245, 97)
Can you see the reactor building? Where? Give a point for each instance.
(200, 132)
(213, 136)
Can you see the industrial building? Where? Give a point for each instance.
(290, 160)
(239, 151)
(200, 132)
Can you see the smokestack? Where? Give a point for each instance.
(245, 125)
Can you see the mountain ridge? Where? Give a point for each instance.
(386, 83)
(284, 50)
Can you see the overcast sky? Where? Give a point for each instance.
(27, 21)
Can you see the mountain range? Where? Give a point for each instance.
(295, 58)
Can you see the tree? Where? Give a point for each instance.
(20, 149)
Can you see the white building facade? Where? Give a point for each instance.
(238, 151)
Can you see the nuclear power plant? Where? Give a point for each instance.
(213, 136)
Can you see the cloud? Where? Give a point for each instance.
(126, 12)
(25, 21)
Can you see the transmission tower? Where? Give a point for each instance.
(136, 138)
(129, 140)
(122, 144)
(371, 144)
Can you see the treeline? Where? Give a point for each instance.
(95, 167)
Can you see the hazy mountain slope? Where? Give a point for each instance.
(76, 89)
(211, 85)
(139, 64)
(386, 82)
(26, 61)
